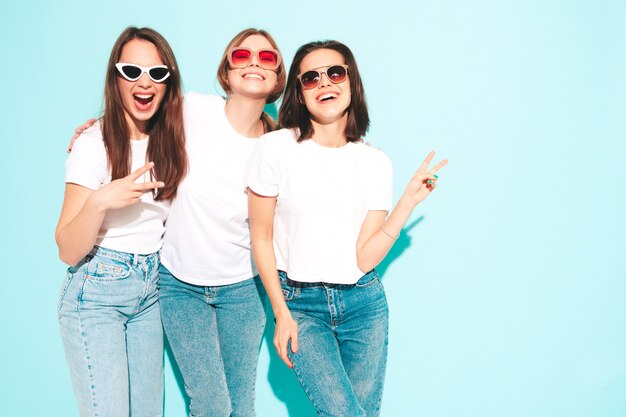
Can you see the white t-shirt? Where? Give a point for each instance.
(323, 195)
(207, 241)
(134, 229)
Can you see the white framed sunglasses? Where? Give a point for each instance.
(132, 72)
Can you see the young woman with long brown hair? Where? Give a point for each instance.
(212, 301)
(121, 176)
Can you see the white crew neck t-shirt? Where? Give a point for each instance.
(207, 241)
(323, 195)
(134, 229)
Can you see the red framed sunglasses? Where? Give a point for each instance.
(241, 57)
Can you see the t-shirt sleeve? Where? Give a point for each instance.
(87, 163)
(381, 190)
(262, 172)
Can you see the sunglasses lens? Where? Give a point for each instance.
(336, 73)
(240, 57)
(268, 58)
(158, 74)
(310, 79)
(131, 72)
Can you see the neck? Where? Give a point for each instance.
(331, 135)
(244, 115)
(138, 129)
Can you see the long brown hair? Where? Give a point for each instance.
(294, 114)
(269, 124)
(166, 146)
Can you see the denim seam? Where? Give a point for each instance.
(146, 270)
(367, 284)
(92, 390)
(68, 280)
(330, 305)
(110, 279)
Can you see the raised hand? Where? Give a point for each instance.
(78, 131)
(124, 191)
(424, 181)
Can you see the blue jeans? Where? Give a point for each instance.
(215, 333)
(342, 344)
(112, 334)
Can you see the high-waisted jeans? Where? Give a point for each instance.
(215, 333)
(112, 334)
(342, 344)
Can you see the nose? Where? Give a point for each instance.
(144, 80)
(324, 82)
(254, 60)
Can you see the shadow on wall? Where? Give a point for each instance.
(402, 244)
(283, 381)
(177, 375)
(272, 110)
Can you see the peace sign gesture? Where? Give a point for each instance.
(424, 181)
(124, 191)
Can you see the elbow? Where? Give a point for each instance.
(68, 258)
(365, 268)
(363, 265)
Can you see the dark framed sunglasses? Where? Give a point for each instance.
(311, 79)
(241, 57)
(132, 72)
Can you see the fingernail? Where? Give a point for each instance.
(429, 182)
(436, 176)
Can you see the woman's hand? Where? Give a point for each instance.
(423, 182)
(124, 191)
(286, 329)
(78, 131)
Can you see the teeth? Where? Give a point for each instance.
(143, 96)
(255, 76)
(327, 96)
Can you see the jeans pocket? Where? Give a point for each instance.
(368, 279)
(289, 292)
(107, 269)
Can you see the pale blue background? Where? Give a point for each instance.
(508, 296)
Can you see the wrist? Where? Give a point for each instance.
(406, 203)
(282, 313)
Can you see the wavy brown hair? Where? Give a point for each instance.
(166, 146)
(269, 124)
(294, 114)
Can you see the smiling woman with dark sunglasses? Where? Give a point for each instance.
(120, 179)
(318, 202)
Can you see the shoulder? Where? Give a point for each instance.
(279, 138)
(194, 100)
(372, 154)
(90, 141)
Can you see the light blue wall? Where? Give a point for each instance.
(507, 297)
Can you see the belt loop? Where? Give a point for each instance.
(135, 259)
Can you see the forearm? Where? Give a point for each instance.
(374, 250)
(263, 252)
(76, 238)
